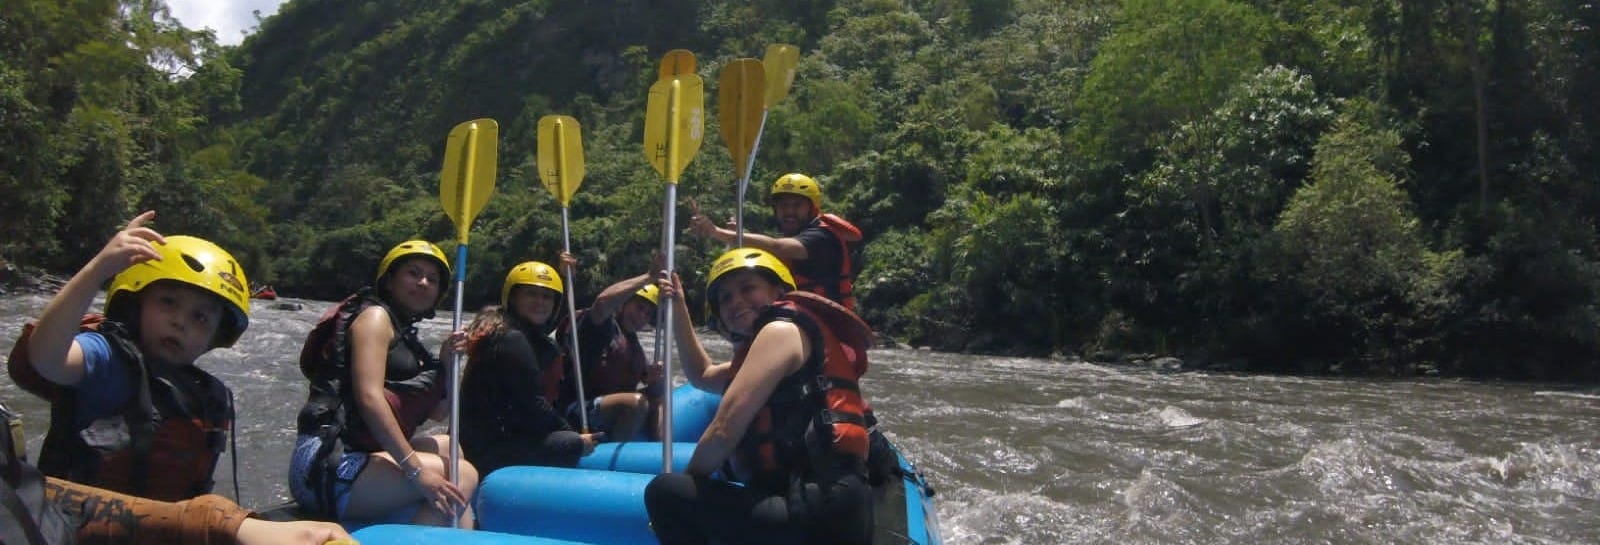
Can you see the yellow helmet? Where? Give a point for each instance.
(739, 259)
(411, 248)
(651, 293)
(530, 273)
(195, 262)
(416, 248)
(798, 184)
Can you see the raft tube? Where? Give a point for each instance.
(405, 533)
(583, 505)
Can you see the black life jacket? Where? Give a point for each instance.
(325, 362)
(26, 518)
(164, 444)
(816, 417)
(330, 411)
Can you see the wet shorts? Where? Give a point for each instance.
(303, 463)
(594, 414)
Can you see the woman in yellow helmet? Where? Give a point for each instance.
(792, 422)
(356, 457)
(513, 374)
(172, 299)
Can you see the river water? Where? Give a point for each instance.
(1028, 451)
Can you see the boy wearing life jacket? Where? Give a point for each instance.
(615, 363)
(791, 425)
(816, 247)
(130, 412)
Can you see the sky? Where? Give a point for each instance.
(227, 17)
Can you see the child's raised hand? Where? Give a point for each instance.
(129, 247)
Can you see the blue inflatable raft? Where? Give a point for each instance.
(602, 501)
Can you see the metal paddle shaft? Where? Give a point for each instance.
(744, 181)
(741, 107)
(465, 183)
(560, 158)
(778, 67)
(674, 127)
(572, 323)
(664, 334)
(455, 376)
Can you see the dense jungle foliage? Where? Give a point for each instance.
(1383, 187)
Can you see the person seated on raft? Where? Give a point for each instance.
(512, 374)
(799, 486)
(356, 457)
(615, 364)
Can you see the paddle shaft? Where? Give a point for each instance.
(744, 183)
(463, 206)
(455, 378)
(664, 333)
(572, 323)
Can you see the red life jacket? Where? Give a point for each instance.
(554, 375)
(815, 416)
(163, 445)
(839, 286)
(619, 366)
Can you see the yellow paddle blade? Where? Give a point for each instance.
(467, 179)
(676, 63)
(560, 156)
(741, 90)
(674, 121)
(780, 62)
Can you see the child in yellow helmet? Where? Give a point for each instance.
(130, 410)
(620, 383)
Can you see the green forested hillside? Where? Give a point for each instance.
(1368, 186)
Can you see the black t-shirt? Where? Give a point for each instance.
(823, 256)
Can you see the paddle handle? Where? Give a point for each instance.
(664, 316)
(572, 324)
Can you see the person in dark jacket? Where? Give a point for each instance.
(515, 365)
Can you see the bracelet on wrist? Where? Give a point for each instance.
(413, 473)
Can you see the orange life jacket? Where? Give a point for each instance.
(817, 414)
(838, 286)
(164, 444)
